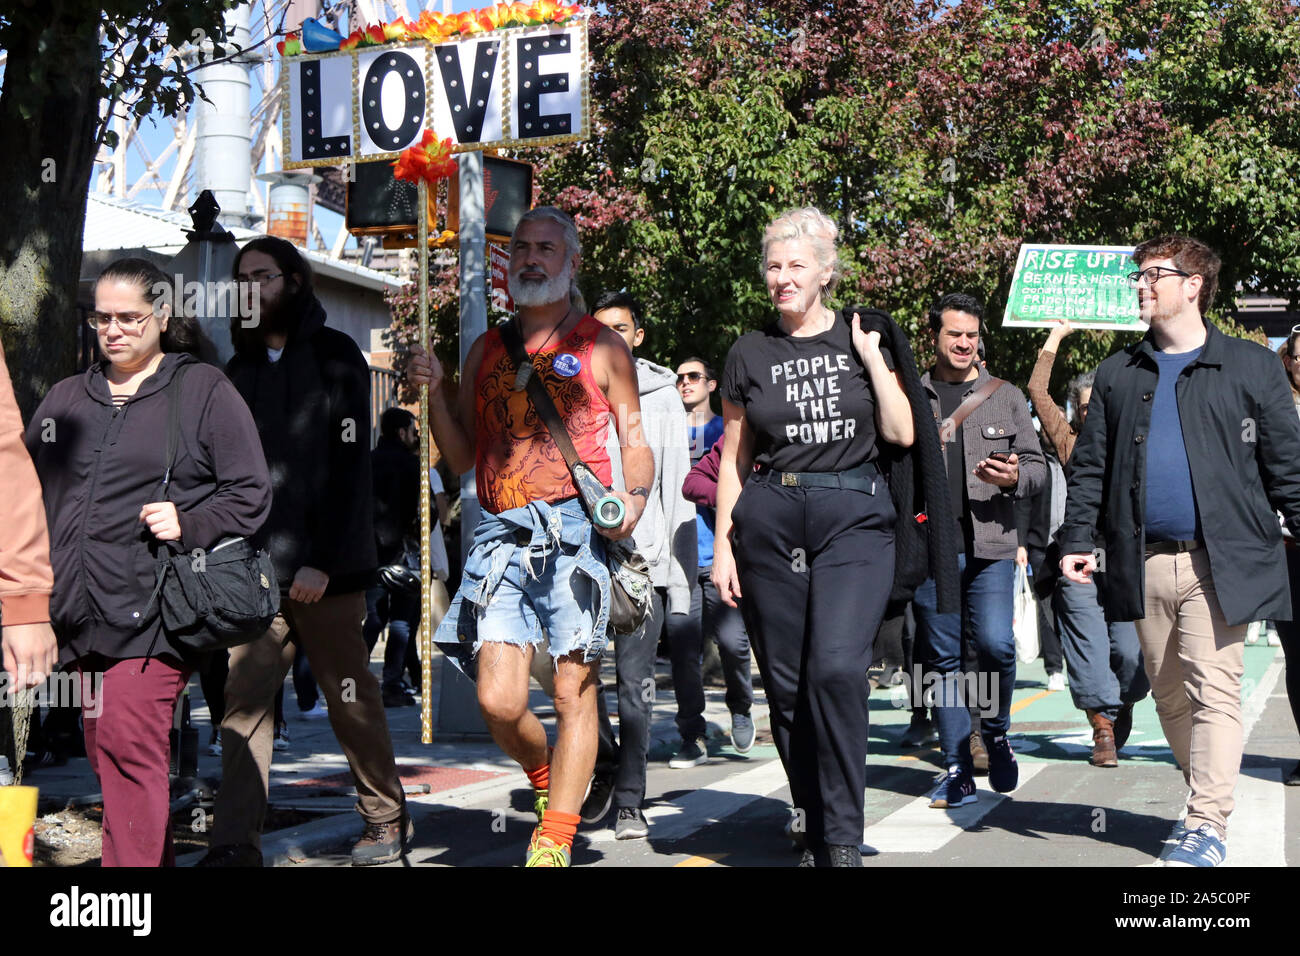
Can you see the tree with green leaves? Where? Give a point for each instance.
(70, 67)
(940, 136)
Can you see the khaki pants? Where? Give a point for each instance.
(1194, 661)
(329, 631)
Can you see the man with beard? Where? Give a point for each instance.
(535, 580)
(308, 387)
(993, 458)
(1191, 442)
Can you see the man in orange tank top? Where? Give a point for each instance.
(536, 572)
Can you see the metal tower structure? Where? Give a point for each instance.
(224, 145)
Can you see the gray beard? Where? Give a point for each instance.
(531, 294)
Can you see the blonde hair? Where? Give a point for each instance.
(815, 226)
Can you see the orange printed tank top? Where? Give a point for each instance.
(517, 461)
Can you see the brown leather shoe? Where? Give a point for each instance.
(978, 755)
(1103, 740)
(383, 842)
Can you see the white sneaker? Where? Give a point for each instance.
(316, 712)
(1056, 681)
(281, 741)
(1273, 639)
(1252, 632)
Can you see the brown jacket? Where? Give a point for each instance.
(25, 576)
(1056, 427)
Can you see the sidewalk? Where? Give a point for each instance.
(312, 776)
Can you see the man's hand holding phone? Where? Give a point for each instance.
(999, 468)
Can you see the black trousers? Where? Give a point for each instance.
(1048, 639)
(624, 760)
(816, 566)
(1288, 633)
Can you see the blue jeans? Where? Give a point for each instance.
(686, 642)
(533, 571)
(401, 612)
(1104, 659)
(988, 605)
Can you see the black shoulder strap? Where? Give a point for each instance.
(173, 426)
(948, 427)
(536, 389)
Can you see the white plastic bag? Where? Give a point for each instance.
(1025, 623)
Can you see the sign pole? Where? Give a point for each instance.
(426, 552)
(458, 710)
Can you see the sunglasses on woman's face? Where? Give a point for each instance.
(689, 377)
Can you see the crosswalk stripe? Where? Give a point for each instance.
(1258, 820)
(695, 810)
(916, 828)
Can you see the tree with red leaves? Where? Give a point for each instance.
(939, 135)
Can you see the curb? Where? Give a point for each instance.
(296, 844)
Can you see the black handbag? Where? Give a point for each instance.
(630, 588)
(215, 599)
(403, 575)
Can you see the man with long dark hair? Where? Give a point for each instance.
(309, 390)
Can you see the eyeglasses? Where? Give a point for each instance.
(689, 377)
(1155, 273)
(260, 277)
(126, 321)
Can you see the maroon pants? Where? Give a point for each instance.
(128, 718)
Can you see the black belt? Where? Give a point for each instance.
(861, 478)
(1172, 547)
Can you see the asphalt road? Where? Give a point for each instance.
(731, 811)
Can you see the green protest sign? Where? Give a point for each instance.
(1086, 284)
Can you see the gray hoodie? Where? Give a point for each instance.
(665, 535)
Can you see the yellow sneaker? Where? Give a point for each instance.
(543, 851)
(540, 799)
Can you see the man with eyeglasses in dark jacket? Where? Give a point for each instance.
(1190, 445)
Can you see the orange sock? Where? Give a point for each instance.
(541, 777)
(560, 827)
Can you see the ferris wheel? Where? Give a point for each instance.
(230, 143)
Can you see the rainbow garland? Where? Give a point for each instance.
(430, 26)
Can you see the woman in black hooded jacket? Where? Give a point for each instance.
(99, 441)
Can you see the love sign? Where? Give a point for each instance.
(515, 87)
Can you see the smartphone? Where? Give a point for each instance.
(1002, 456)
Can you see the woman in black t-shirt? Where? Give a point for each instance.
(805, 525)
